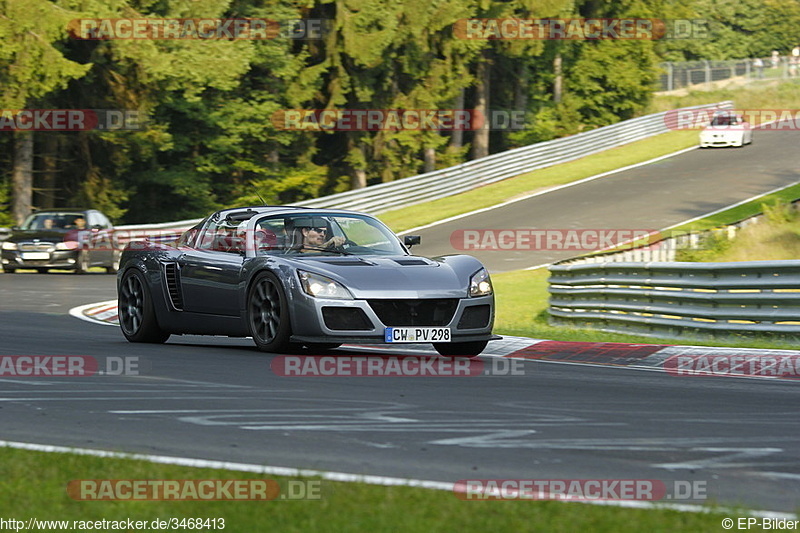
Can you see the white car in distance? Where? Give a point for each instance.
(726, 129)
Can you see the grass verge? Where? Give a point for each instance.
(522, 296)
(34, 485)
(746, 210)
(775, 95)
(538, 180)
(773, 238)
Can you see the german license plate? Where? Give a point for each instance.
(417, 335)
(35, 256)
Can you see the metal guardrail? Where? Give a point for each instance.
(679, 298)
(681, 74)
(463, 177)
(497, 167)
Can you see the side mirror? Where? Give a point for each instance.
(411, 240)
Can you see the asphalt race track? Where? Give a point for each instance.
(650, 197)
(216, 398)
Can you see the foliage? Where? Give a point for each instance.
(210, 105)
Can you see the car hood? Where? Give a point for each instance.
(43, 236)
(395, 276)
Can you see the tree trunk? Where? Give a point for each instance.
(47, 189)
(22, 175)
(358, 174)
(429, 156)
(559, 78)
(358, 179)
(457, 139)
(480, 140)
(521, 88)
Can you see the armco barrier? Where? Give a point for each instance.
(472, 174)
(679, 298)
(497, 167)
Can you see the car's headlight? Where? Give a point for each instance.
(9, 246)
(320, 286)
(68, 245)
(480, 284)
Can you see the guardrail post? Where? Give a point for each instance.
(670, 77)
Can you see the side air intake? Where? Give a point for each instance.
(173, 277)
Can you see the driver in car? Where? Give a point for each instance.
(313, 235)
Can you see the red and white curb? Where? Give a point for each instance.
(104, 313)
(698, 360)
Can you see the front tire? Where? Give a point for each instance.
(82, 263)
(7, 270)
(137, 316)
(112, 269)
(268, 314)
(460, 349)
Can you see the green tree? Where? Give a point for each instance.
(32, 66)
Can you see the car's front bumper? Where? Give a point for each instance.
(472, 319)
(301, 339)
(15, 259)
(715, 140)
(718, 143)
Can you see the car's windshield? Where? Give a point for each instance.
(724, 120)
(342, 234)
(54, 221)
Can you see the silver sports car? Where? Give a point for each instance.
(291, 276)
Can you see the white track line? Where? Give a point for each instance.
(547, 191)
(78, 312)
(732, 206)
(584, 180)
(357, 478)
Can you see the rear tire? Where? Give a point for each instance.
(137, 316)
(42, 270)
(268, 314)
(460, 349)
